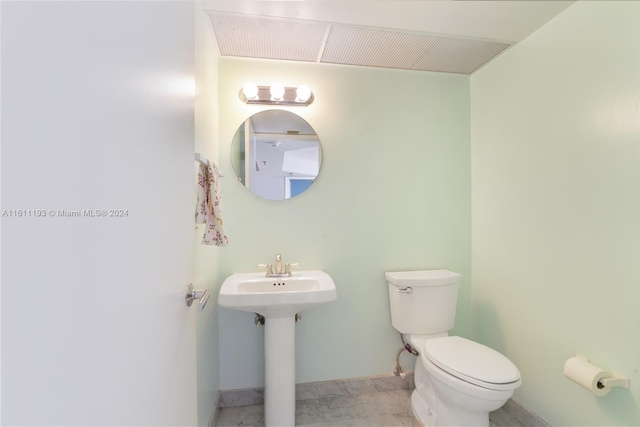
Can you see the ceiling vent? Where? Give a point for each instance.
(312, 41)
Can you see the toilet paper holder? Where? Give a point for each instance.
(600, 381)
(614, 380)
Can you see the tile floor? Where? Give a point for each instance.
(379, 408)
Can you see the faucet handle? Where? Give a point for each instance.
(288, 267)
(269, 268)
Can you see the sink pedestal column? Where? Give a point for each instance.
(280, 371)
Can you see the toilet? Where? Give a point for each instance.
(458, 381)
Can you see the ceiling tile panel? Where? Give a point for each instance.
(268, 38)
(373, 47)
(456, 55)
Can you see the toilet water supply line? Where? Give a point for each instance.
(397, 369)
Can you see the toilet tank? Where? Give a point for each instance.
(423, 302)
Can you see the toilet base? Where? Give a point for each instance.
(429, 418)
(422, 411)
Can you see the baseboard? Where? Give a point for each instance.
(523, 415)
(321, 389)
(214, 412)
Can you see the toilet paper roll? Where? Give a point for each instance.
(582, 372)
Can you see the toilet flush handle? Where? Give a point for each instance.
(407, 290)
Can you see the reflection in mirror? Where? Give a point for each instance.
(276, 154)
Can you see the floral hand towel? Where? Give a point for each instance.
(208, 206)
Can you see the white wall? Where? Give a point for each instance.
(207, 257)
(393, 193)
(555, 127)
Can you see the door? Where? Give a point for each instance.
(97, 213)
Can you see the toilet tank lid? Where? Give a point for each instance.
(423, 278)
(472, 361)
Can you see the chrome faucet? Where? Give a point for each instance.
(278, 272)
(278, 264)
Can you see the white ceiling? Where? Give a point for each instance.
(467, 33)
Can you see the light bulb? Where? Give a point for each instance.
(250, 90)
(277, 91)
(303, 93)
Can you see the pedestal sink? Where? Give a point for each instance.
(278, 299)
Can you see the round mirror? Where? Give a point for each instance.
(276, 154)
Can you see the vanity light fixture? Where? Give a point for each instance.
(276, 94)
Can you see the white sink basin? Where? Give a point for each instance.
(277, 296)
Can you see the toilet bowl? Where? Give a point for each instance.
(469, 380)
(458, 381)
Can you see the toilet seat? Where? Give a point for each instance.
(472, 362)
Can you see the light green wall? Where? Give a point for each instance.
(555, 127)
(207, 258)
(393, 194)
